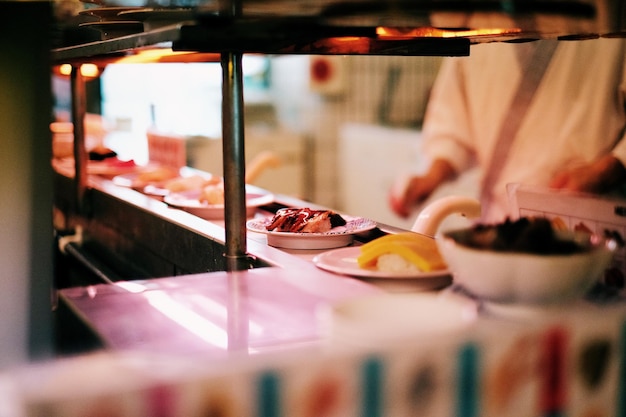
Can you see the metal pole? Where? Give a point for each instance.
(234, 162)
(79, 108)
(233, 154)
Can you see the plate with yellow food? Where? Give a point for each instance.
(405, 255)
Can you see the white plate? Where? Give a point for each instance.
(129, 179)
(109, 167)
(343, 261)
(381, 320)
(155, 188)
(335, 238)
(189, 202)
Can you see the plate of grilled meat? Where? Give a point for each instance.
(306, 228)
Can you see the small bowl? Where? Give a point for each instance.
(523, 277)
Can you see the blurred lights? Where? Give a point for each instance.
(430, 32)
(166, 55)
(148, 55)
(86, 70)
(89, 70)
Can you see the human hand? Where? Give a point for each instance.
(409, 190)
(596, 177)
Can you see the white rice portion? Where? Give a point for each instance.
(392, 262)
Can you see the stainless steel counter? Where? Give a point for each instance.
(254, 311)
(270, 306)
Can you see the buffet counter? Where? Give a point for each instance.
(287, 337)
(159, 283)
(214, 314)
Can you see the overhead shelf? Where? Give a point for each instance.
(365, 27)
(267, 36)
(117, 47)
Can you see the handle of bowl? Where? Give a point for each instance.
(430, 218)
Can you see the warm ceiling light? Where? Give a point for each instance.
(86, 70)
(430, 32)
(166, 55)
(89, 70)
(479, 32)
(146, 56)
(65, 69)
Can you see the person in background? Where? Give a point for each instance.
(545, 113)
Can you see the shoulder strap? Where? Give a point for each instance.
(535, 64)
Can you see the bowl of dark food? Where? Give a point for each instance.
(525, 261)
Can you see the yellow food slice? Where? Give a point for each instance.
(426, 241)
(419, 250)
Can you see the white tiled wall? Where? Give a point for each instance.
(366, 98)
(286, 178)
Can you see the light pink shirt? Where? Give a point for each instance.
(576, 115)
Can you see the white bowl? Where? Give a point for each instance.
(507, 276)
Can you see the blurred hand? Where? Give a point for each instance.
(596, 177)
(410, 190)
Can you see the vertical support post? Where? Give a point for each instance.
(26, 184)
(234, 162)
(79, 108)
(233, 151)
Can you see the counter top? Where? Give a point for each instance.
(252, 343)
(261, 309)
(216, 313)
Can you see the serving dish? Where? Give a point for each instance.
(344, 261)
(130, 179)
(108, 168)
(335, 238)
(159, 188)
(516, 276)
(189, 201)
